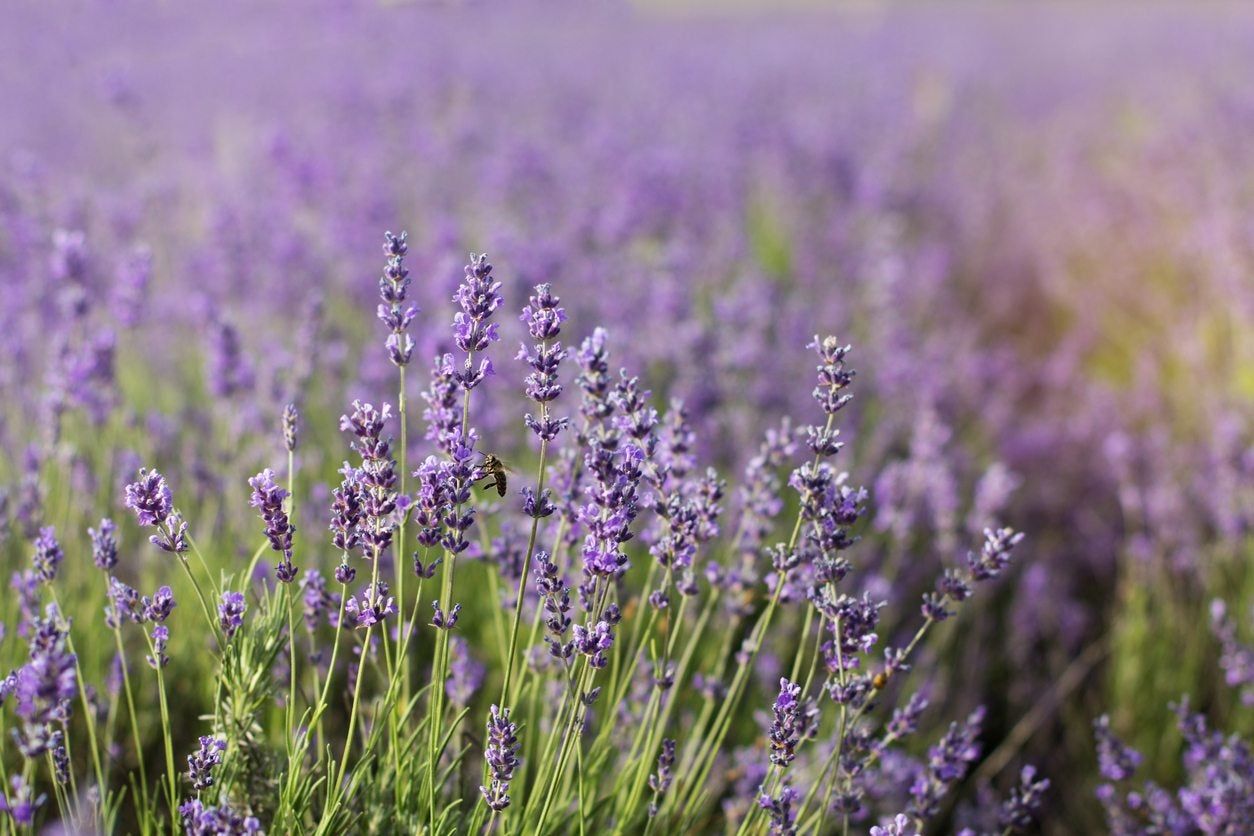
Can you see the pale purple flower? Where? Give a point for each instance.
(231, 613)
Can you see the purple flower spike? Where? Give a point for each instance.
(544, 317)
(268, 499)
(152, 501)
(158, 608)
(150, 498)
(201, 762)
(377, 475)
(290, 427)
(785, 731)
(780, 808)
(48, 554)
(479, 298)
(393, 312)
(104, 544)
(45, 684)
(501, 754)
(231, 613)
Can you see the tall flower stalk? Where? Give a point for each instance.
(544, 317)
(478, 297)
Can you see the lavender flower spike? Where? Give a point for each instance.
(268, 498)
(544, 317)
(104, 544)
(479, 297)
(501, 753)
(152, 501)
(393, 287)
(785, 730)
(231, 613)
(201, 762)
(48, 554)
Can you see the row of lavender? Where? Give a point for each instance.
(1006, 254)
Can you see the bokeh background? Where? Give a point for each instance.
(1033, 223)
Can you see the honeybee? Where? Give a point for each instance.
(493, 470)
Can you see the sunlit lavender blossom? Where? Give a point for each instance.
(543, 317)
(553, 590)
(612, 509)
(660, 781)
(346, 510)
(479, 298)
(393, 312)
(377, 474)
(948, 762)
(124, 603)
(1025, 800)
(152, 501)
(901, 825)
(593, 642)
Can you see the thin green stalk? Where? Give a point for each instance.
(130, 708)
(167, 734)
(526, 567)
(336, 790)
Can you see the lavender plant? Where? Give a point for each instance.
(1052, 311)
(598, 639)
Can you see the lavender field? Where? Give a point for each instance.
(525, 418)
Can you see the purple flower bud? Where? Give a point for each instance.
(371, 606)
(201, 762)
(780, 808)
(160, 638)
(442, 620)
(159, 607)
(289, 424)
(150, 498)
(104, 544)
(231, 613)
(48, 554)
